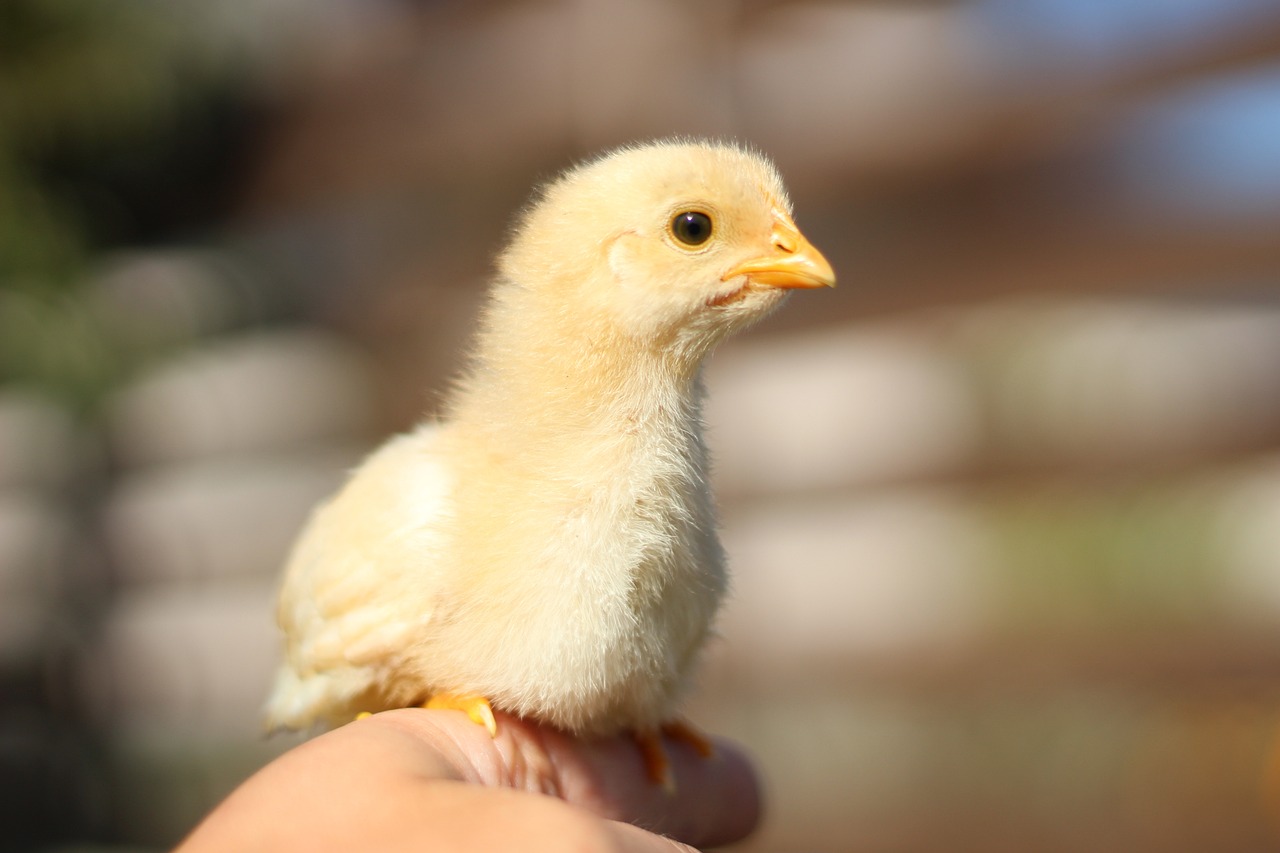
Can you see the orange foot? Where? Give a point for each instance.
(474, 706)
(656, 763)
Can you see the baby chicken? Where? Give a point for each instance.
(549, 547)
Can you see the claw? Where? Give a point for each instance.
(656, 763)
(474, 706)
(683, 730)
(654, 752)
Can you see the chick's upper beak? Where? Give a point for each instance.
(792, 262)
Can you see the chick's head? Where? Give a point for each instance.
(671, 244)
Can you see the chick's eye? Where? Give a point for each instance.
(691, 227)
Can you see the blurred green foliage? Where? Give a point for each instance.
(118, 123)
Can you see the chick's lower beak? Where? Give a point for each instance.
(793, 262)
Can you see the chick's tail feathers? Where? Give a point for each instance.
(323, 698)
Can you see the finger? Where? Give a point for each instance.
(632, 839)
(716, 800)
(525, 757)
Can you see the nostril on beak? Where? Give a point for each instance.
(785, 242)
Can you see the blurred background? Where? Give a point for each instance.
(1003, 509)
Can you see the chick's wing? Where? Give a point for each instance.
(360, 581)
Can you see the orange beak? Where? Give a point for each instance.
(794, 262)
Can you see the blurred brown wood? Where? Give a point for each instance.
(1158, 664)
(1039, 114)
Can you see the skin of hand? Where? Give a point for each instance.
(418, 779)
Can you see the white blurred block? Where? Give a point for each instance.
(837, 408)
(838, 579)
(36, 541)
(197, 659)
(1249, 531)
(1130, 379)
(217, 518)
(157, 298)
(263, 392)
(828, 86)
(39, 445)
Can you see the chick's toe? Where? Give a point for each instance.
(473, 705)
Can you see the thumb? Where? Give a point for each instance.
(632, 839)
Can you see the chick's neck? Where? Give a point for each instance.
(547, 379)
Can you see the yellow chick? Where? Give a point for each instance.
(549, 547)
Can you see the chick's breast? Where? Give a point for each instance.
(596, 586)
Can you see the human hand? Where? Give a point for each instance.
(433, 780)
